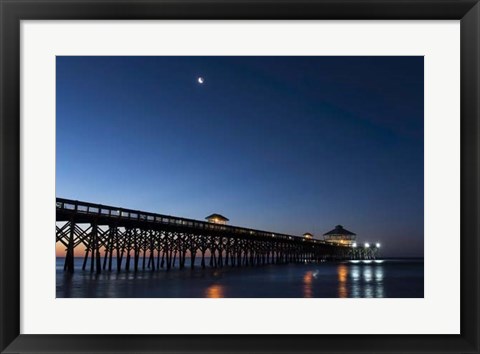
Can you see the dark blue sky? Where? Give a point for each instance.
(286, 144)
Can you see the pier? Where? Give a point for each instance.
(138, 240)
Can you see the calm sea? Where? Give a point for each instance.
(392, 278)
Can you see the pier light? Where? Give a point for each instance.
(377, 245)
(354, 244)
(367, 245)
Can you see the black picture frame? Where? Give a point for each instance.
(13, 11)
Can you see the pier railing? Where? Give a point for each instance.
(115, 213)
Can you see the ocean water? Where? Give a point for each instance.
(389, 278)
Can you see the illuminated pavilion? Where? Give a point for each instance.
(340, 236)
(217, 219)
(308, 235)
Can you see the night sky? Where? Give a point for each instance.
(284, 144)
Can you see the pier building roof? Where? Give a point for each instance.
(217, 217)
(339, 230)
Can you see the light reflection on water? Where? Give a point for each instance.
(366, 280)
(215, 291)
(360, 280)
(307, 284)
(379, 282)
(342, 281)
(334, 280)
(367, 274)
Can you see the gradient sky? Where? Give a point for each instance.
(285, 144)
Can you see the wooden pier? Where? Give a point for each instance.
(138, 240)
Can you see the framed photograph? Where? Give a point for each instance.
(238, 176)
